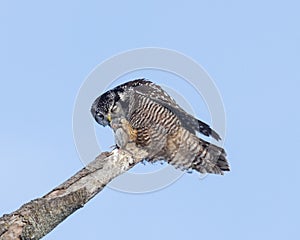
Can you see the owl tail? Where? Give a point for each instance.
(210, 159)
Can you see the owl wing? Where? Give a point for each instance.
(189, 122)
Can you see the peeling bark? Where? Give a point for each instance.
(35, 219)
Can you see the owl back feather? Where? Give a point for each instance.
(186, 151)
(210, 159)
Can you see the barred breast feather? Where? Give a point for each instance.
(161, 132)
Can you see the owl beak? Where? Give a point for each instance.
(109, 117)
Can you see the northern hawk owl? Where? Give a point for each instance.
(142, 113)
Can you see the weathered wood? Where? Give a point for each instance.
(35, 219)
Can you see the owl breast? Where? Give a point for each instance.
(153, 124)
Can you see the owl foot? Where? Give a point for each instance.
(113, 147)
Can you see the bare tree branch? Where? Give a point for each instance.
(35, 219)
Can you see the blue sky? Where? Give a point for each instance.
(251, 50)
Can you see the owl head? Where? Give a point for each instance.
(104, 107)
(114, 103)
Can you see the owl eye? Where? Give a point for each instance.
(100, 115)
(99, 118)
